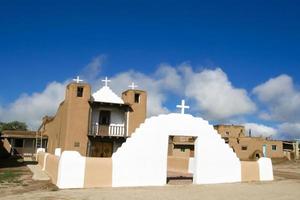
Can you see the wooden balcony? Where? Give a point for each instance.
(112, 130)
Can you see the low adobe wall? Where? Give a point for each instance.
(72, 170)
(98, 172)
(51, 167)
(250, 171)
(41, 159)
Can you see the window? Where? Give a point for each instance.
(18, 142)
(182, 149)
(104, 118)
(76, 144)
(227, 133)
(137, 98)
(274, 147)
(79, 91)
(244, 148)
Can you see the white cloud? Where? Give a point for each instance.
(153, 86)
(215, 96)
(260, 130)
(281, 99)
(290, 130)
(92, 70)
(31, 108)
(211, 90)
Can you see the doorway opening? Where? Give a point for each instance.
(180, 159)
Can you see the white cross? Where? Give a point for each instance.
(77, 80)
(133, 86)
(106, 81)
(182, 106)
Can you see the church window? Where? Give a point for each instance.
(104, 117)
(137, 98)
(79, 91)
(244, 148)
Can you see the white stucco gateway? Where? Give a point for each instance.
(142, 159)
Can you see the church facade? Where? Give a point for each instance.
(94, 125)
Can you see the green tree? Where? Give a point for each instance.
(14, 125)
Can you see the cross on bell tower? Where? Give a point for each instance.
(106, 81)
(77, 80)
(182, 106)
(132, 86)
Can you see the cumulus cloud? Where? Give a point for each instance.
(91, 71)
(281, 98)
(210, 90)
(152, 84)
(260, 130)
(31, 108)
(215, 96)
(290, 130)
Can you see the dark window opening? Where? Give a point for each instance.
(104, 118)
(244, 148)
(274, 147)
(76, 144)
(137, 98)
(79, 91)
(18, 142)
(227, 133)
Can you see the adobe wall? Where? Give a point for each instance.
(78, 114)
(69, 128)
(139, 110)
(233, 130)
(254, 144)
(98, 172)
(250, 171)
(55, 129)
(51, 167)
(41, 159)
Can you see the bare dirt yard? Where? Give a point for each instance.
(17, 184)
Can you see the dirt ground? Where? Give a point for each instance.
(285, 186)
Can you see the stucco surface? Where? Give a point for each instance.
(98, 172)
(71, 170)
(137, 163)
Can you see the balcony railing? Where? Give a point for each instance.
(113, 130)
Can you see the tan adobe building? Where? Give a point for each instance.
(248, 147)
(19, 143)
(94, 124)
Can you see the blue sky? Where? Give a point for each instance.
(250, 41)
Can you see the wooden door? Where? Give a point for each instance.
(101, 149)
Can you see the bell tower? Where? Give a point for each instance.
(137, 99)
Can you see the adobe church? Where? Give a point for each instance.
(95, 124)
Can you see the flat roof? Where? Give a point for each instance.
(19, 134)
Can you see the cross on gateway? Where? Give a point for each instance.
(106, 81)
(133, 86)
(77, 80)
(182, 106)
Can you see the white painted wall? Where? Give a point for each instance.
(71, 170)
(117, 116)
(142, 160)
(265, 169)
(191, 165)
(57, 152)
